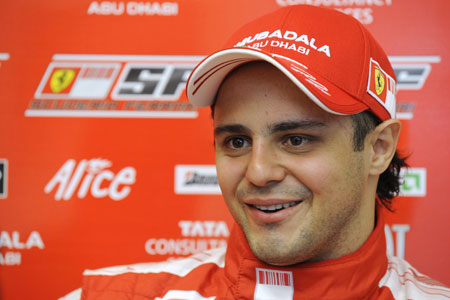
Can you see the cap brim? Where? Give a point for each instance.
(206, 78)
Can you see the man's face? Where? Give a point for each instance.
(287, 170)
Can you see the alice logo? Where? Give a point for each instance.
(61, 79)
(379, 81)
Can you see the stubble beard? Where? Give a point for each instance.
(310, 242)
(316, 239)
(269, 245)
(274, 250)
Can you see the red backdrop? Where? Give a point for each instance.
(103, 161)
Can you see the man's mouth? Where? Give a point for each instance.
(276, 207)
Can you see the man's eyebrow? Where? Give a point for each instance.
(232, 128)
(291, 125)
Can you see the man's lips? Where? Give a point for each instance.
(275, 207)
(271, 205)
(272, 211)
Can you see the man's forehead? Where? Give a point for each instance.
(258, 95)
(259, 79)
(271, 128)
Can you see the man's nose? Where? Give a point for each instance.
(264, 165)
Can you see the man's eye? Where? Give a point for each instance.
(236, 142)
(296, 140)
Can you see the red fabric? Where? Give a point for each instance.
(237, 274)
(332, 62)
(354, 276)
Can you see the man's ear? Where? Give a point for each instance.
(383, 144)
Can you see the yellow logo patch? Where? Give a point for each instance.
(379, 82)
(61, 79)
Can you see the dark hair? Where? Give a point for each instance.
(389, 182)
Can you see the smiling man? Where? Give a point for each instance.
(303, 102)
(288, 170)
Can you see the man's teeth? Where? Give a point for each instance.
(276, 207)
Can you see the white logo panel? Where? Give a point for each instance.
(414, 182)
(274, 285)
(196, 179)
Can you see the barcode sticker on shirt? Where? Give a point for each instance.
(273, 285)
(274, 277)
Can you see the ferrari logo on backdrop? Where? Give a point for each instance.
(64, 80)
(130, 86)
(379, 82)
(61, 79)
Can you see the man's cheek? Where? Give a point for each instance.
(227, 175)
(316, 174)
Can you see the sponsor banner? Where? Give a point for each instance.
(139, 86)
(12, 245)
(121, 86)
(197, 236)
(196, 179)
(3, 178)
(414, 182)
(91, 176)
(133, 8)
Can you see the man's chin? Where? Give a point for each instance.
(273, 253)
(278, 259)
(274, 246)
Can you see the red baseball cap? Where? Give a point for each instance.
(329, 55)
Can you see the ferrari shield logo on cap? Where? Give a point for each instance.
(381, 87)
(61, 79)
(379, 81)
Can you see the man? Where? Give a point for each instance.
(303, 102)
